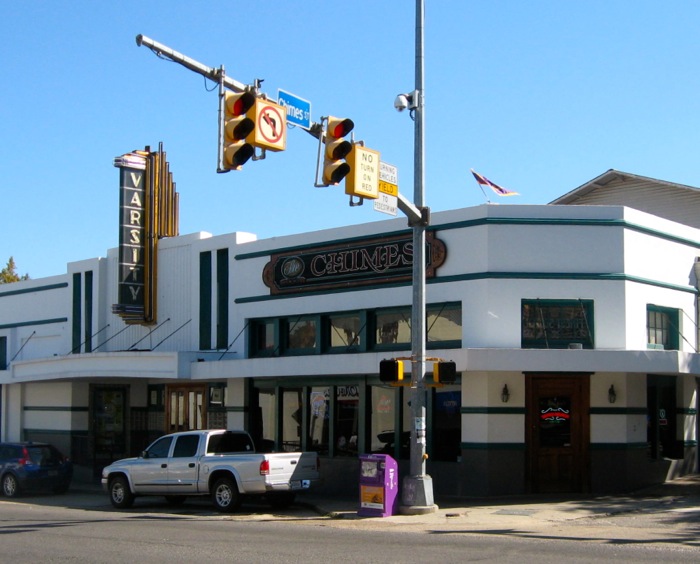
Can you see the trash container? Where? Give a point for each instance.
(379, 485)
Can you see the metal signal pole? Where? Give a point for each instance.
(417, 490)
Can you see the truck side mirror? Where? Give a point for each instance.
(144, 454)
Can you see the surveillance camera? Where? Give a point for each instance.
(401, 102)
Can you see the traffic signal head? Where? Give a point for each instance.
(336, 149)
(237, 126)
(391, 370)
(445, 372)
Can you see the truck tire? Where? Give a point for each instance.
(225, 495)
(119, 493)
(10, 486)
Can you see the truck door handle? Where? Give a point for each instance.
(163, 465)
(191, 464)
(293, 461)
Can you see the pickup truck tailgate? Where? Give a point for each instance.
(291, 470)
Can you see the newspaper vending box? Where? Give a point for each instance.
(379, 485)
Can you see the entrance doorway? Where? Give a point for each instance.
(186, 408)
(109, 424)
(558, 432)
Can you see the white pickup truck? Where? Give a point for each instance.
(222, 464)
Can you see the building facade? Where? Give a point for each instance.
(573, 329)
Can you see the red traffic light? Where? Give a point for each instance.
(339, 127)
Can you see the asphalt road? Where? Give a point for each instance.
(83, 527)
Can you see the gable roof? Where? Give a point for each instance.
(676, 202)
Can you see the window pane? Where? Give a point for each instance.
(555, 421)
(266, 422)
(394, 327)
(264, 344)
(444, 324)
(291, 420)
(319, 413)
(382, 423)
(346, 420)
(345, 330)
(556, 324)
(302, 333)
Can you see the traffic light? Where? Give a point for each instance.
(334, 166)
(391, 370)
(237, 127)
(445, 372)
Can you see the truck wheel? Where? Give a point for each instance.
(10, 486)
(281, 500)
(119, 493)
(225, 495)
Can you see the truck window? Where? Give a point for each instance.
(186, 446)
(160, 448)
(229, 442)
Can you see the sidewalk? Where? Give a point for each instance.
(677, 495)
(680, 495)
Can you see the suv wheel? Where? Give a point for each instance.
(10, 486)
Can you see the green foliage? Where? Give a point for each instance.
(9, 273)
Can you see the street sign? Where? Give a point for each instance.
(298, 109)
(387, 201)
(363, 179)
(270, 126)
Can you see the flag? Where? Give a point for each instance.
(483, 181)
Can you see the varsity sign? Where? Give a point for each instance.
(360, 263)
(132, 237)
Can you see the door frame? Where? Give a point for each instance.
(186, 388)
(579, 385)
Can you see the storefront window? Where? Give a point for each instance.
(383, 420)
(302, 334)
(393, 327)
(346, 420)
(444, 323)
(264, 421)
(292, 406)
(345, 331)
(319, 414)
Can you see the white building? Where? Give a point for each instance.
(573, 328)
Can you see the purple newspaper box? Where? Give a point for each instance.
(379, 485)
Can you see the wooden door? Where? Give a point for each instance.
(558, 432)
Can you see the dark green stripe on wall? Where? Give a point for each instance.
(222, 299)
(205, 301)
(75, 312)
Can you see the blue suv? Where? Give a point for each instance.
(29, 466)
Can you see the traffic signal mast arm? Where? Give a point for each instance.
(416, 216)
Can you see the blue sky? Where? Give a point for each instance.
(539, 96)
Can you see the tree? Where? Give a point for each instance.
(9, 273)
